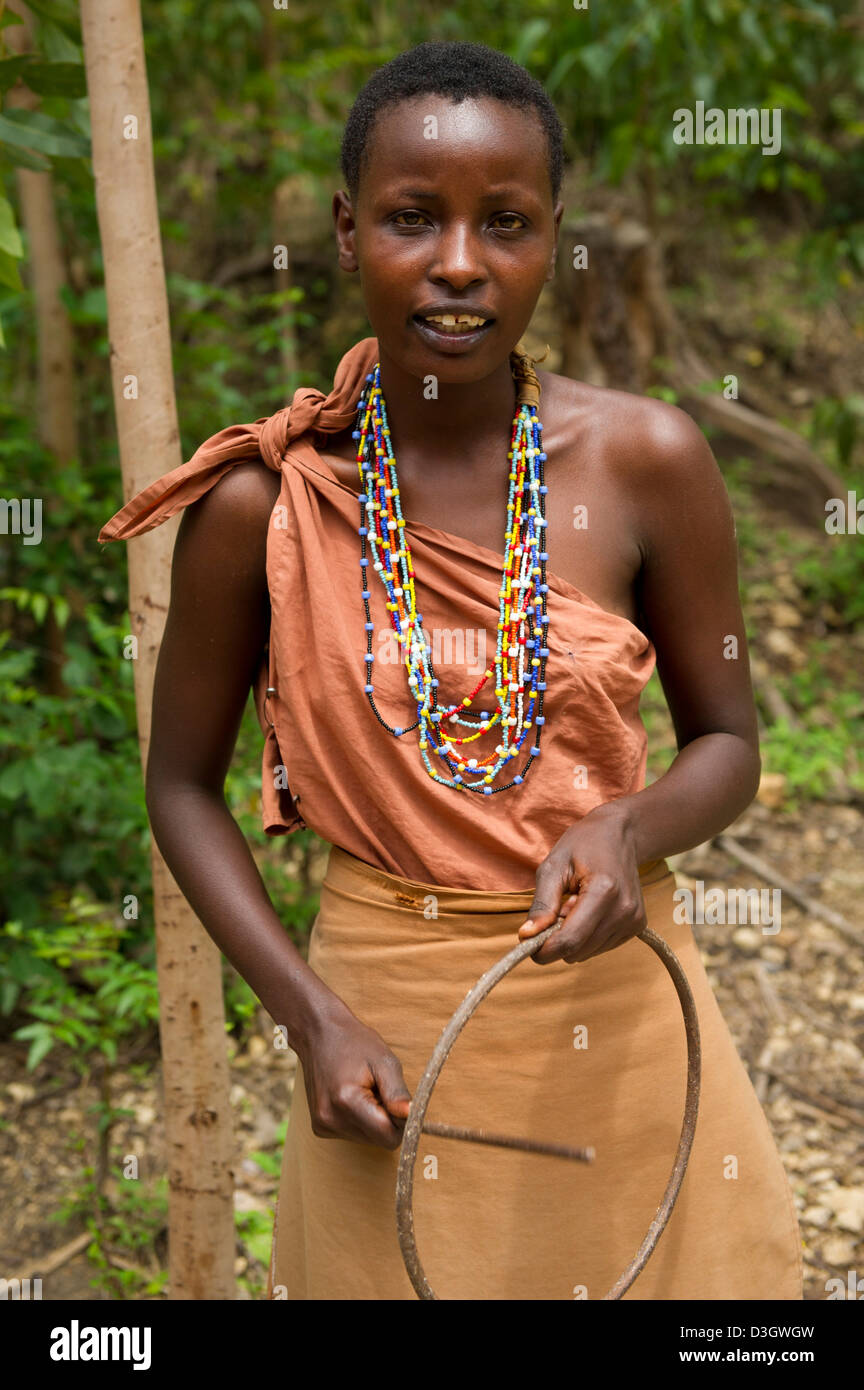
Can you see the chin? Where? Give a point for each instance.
(456, 367)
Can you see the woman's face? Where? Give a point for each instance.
(454, 216)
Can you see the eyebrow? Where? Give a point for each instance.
(496, 196)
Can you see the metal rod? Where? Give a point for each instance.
(508, 1141)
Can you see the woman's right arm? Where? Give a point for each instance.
(216, 629)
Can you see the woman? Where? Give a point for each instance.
(368, 551)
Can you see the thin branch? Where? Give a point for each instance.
(820, 1102)
(792, 890)
(49, 1263)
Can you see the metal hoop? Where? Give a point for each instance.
(414, 1124)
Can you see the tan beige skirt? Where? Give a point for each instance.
(586, 1054)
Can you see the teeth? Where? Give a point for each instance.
(456, 323)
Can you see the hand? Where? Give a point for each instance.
(590, 879)
(354, 1083)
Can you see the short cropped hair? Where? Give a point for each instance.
(456, 70)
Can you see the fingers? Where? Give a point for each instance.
(573, 930)
(632, 920)
(604, 916)
(355, 1112)
(372, 1121)
(372, 1107)
(552, 883)
(390, 1084)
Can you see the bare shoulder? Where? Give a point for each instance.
(243, 497)
(641, 436)
(240, 503)
(224, 532)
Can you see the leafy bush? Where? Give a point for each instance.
(80, 988)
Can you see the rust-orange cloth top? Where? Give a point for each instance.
(328, 762)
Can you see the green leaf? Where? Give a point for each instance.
(528, 39)
(10, 237)
(47, 9)
(34, 130)
(9, 991)
(13, 779)
(39, 1048)
(11, 69)
(560, 70)
(24, 159)
(57, 79)
(597, 58)
(823, 13)
(259, 1245)
(268, 1163)
(31, 1030)
(752, 32)
(781, 94)
(125, 1000)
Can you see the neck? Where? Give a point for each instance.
(475, 417)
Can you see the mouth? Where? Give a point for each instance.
(456, 330)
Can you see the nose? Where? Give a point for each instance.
(457, 259)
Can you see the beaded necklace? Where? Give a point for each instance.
(521, 646)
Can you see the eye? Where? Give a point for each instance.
(517, 222)
(418, 215)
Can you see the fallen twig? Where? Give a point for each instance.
(121, 1262)
(50, 1092)
(831, 1030)
(792, 890)
(762, 1071)
(49, 1263)
(773, 699)
(821, 1102)
(818, 1113)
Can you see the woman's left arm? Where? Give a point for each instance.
(690, 607)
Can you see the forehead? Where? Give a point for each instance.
(480, 138)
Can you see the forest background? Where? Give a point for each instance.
(721, 278)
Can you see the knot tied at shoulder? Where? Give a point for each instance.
(267, 439)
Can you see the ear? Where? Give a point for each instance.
(346, 227)
(559, 211)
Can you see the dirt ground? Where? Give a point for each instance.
(794, 1002)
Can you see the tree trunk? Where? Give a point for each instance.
(194, 1058)
(57, 421)
(283, 280)
(56, 410)
(615, 316)
(280, 216)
